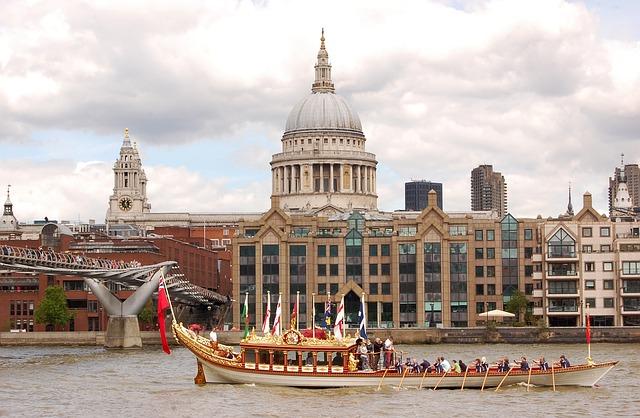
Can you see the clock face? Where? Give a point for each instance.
(125, 204)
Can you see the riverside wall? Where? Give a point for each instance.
(508, 335)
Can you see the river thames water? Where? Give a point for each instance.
(94, 382)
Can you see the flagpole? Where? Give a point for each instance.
(298, 310)
(268, 310)
(168, 298)
(344, 316)
(280, 321)
(313, 315)
(326, 325)
(588, 335)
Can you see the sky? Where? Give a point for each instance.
(546, 91)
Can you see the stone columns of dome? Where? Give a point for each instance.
(368, 184)
(331, 178)
(321, 178)
(359, 190)
(273, 181)
(287, 179)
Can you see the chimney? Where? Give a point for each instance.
(432, 198)
(587, 201)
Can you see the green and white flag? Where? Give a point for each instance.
(245, 315)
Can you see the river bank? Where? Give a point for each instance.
(508, 335)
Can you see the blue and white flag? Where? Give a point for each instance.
(362, 317)
(327, 314)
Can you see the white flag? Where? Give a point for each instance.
(339, 325)
(276, 322)
(267, 316)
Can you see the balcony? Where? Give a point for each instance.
(562, 274)
(537, 293)
(554, 256)
(538, 311)
(571, 293)
(563, 310)
(537, 275)
(536, 258)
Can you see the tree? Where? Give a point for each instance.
(146, 314)
(53, 309)
(517, 304)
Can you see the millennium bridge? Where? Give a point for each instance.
(122, 329)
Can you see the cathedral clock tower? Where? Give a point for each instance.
(129, 197)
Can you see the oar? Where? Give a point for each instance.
(553, 377)
(485, 378)
(528, 379)
(436, 386)
(383, 375)
(426, 369)
(465, 378)
(505, 376)
(406, 369)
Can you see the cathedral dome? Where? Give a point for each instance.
(322, 110)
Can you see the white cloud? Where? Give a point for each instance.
(530, 87)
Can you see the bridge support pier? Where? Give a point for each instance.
(123, 330)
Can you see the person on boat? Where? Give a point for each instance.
(337, 360)
(463, 366)
(564, 362)
(542, 363)
(214, 339)
(377, 349)
(478, 365)
(364, 355)
(503, 365)
(524, 364)
(309, 360)
(456, 367)
(485, 365)
(446, 366)
(425, 365)
(388, 352)
(437, 365)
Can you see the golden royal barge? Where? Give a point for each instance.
(295, 360)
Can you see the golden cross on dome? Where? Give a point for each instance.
(126, 133)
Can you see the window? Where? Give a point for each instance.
(386, 288)
(605, 248)
(322, 288)
(457, 230)
(491, 271)
(528, 234)
(333, 287)
(587, 232)
(479, 253)
(607, 284)
(333, 251)
(385, 269)
(587, 248)
(491, 235)
(491, 253)
(373, 288)
(630, 267)
(479, 289)
(479, 271)
(333, 269)
(322, 269)
(385, 250)
(322, 250)
(373, 250)
(607, 266)
(528, 271)
(562, 245)
(407, 231)
(479, 235)
(491, 289)
(605, 231)
(373, 269)
(590, 302)
(528, 252)
(589, 266)
(590, 285)
(607, 302)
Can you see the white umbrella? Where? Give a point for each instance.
(496, 313)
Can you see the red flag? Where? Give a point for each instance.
(163, 303)
(588, 330)
(294, 316)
